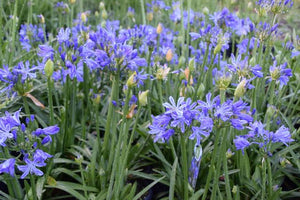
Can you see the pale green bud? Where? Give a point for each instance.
(104, 14)
(240, 89)
(200, 91)
(143, 98)
(205, 11)
(218, 48)
(192, 64)
(131, 80)
(101, 5)
(49, 68)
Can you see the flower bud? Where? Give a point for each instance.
(83, 17)
(250, 5)
(240, 89)
(159, 28)
(162, 73)
(200, 91)
(104, 14)
(271, 111)
(49, 68)
(131, 80)
(143, 98)
(235, 189)
(149, 16)
(229, 153)
(205, 11)
(42, 19)
(169, 55)
(97, 99)
(101, 5)
(198, 152)
(72, 1)
(181, 61)
(218, 48)
(192, 64)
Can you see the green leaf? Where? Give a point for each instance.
(39, 187)
(173, 179)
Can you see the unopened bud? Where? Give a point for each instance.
(250, 5)
(252, 61)
(97, 99)
(200, 91)
(205, 11)
(132, 80)
(150, 16)
(192, 64)
(83, 17)
(229, 153)
(181, 61)
(271, 111)
(143, 98)
(218, 48)
(49, 68)
(234, 189)
(104, 14)
(72, 1)
(101, 5)
(169, 55)
(240, 89)
(159, 29)
(42, 19)
(162, 73)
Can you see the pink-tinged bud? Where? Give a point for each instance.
(169, 55)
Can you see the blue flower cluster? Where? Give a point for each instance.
(18, 137)
(200, 117)
(31, 36)
(13, 77)
(263, 138)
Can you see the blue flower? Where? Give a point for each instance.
(8, 166)
(241, 143)
(282, 135)
(63, 35)
(173, 108)
(51, 130)
(46, 52)
(5, 132)
(280, 73)
(31, 167)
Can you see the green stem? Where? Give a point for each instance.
(148, 84)
(270, 182)
(184, 167)
(159, 85)
(143, 11)
(50, 101)
(212, 167)
(111, 109)
(14, 28)
(263, 193)
(117, 173)
(33, 187)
